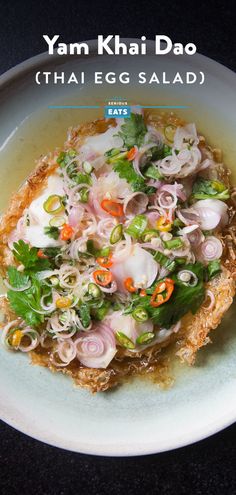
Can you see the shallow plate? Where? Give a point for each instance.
(137, 418)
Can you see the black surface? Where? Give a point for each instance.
(28, 466)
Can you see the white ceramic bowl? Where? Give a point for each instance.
(136, 418)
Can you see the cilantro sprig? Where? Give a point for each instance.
(133, 131)
(207, 189)
(28, 256)
(52, 232)
(26, 303)
(184, 299)
(125, 170)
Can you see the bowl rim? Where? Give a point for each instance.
(150, 447)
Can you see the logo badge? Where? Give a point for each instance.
(117, 109)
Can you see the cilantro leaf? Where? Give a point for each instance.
(17, 279)
(213, 269)
(133, 131)
(25, 303)
(160, 152)
(52, 232)
(125, 170)
(152, 172)
(156, 153)
(204, 189)
(184, 299)
(137, 226)
(164, 261)
(85, 315)
(28, 257)
(51, 252)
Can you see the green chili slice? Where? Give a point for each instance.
(94, 290)
(140, 314)
(145, 338)
(84, 193)
(116, 234)
(137, 226)
(124, 341)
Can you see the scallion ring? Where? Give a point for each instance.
(54, 204)
(57, 221)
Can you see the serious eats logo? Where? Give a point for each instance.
(117, 108)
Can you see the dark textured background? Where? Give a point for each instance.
(28, 466)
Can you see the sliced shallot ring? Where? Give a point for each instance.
(33, 335)
(209, 295)
(135, 203)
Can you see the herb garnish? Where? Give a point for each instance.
(28, 256)
(133, 131)
(205, 189)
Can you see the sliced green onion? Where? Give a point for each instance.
(57, 221)
(117, 156)
(140, 314)
(84, 193)
(54, 204)
(87, 167)
(116, 234)
(137, 226)
(112, 152)
(124, 341)
(64, 158)
(145, 338)
(82, 179)
(164, 261)
(149, 234)
(175, 243)
(169, 132)
(72, 153)
(94, 290)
